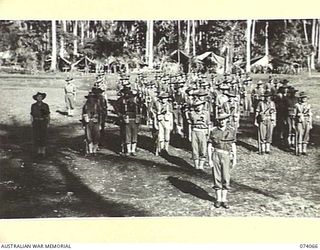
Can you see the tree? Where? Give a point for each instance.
(53, 66)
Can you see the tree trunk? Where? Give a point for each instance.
(54, 46)
(318, 43)
(75, 41)
(313, 36)
(193, 38)
(64, 28)
(147, 41)
(82, 32)
(253, 31)
(248, 52)
(178, 45)
(267, 40)
(150, 61)
(187, 46)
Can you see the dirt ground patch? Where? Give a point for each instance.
(68, 184)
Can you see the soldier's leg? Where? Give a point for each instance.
(305, 139)
(195, 148)
(202, 149)
(128, 138)
(161, 135)
(134, 138)
(217, 180)
(262, 135)
(167, 137)
(299, 135)
(269, 133)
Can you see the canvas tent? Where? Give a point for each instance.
(210, 57)
(179, 55)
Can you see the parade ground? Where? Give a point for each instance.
(69, 184)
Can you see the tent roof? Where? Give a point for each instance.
(214, 57)
(183, 56)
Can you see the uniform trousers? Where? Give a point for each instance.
(302, 132)
(69, 98)
(164, 131)
(199, 144)
(131, 131)
(265, 131)
(92, 132)
(221, 169)
(40, 128)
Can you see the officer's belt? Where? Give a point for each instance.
(39, 118)
(221, 151)
(198, 129)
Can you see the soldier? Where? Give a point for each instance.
(40, 119)
(130, 113)
(70, 95)
(291, 101)
(245, 93)
(222, 156)
(178, 101)
(256, 94)
(164, 123)
(200, 125)
(91, 122)
(303, 124)
(103, 107)
(232, 107)
(265, 120)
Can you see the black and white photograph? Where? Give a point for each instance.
(159, 118)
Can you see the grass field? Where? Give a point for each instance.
(68, 184)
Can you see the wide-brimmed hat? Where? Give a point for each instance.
(163, 95)
(222, 116)
(259, 82)
(69, 79)
(39, 93)
(267, 93)
(231, 94)
(302, 95)
(284, 81)
(97, 90)
(200, 93)
(90, 95)
(198, 103)
(224, 86)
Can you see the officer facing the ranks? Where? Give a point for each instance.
(200, 126)
(40, 119)
(70, 95)
(303, 123)
(222, 156)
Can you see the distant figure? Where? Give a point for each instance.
(70, 95)
(40, 119)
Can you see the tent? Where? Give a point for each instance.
(210, 57)
(184, 59)
(86, 64)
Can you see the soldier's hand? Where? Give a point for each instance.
(211, 164)
(256, 124)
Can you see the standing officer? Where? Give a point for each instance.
(200, 125)
(265, 120)
(130, 112)
(221, 152)
(40, 119)
(303, 123)
(70, 95)
(164, 123)
(291, 101)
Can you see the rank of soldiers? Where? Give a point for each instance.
(205, 110)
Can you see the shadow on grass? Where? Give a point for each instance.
(188, 187)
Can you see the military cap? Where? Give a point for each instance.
(284, 82)
(204, 84)
(200, 93)
(291, 89)
(41, 94)
(234, 81)
(125, 83)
